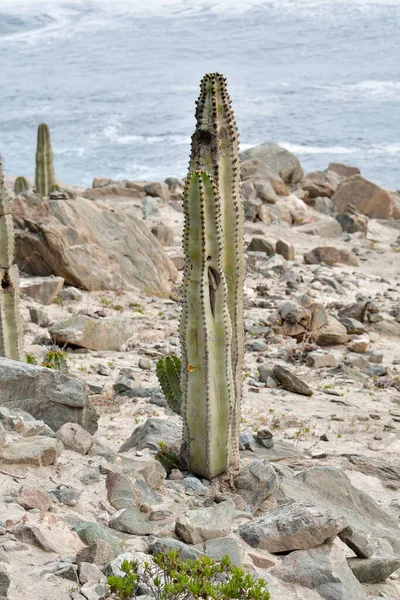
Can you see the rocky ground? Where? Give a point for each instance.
(315, 508)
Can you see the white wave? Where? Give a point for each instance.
(112, 133)
(304, 149)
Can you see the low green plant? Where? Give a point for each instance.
(31, 360)
(171, 578)
(55, 359)
(167, 458)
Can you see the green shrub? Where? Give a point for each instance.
(55, 359)
(170, 578)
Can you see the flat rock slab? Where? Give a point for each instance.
(90, 245)
(185, 552)
(375, 569)
(41, 289)
(323, 569)
(293, 526)
(291, 382)
(48, 532)
(226, 546)
(328, 487)
(37, 451)
(46, 394)
(95, 334)
(197, 526)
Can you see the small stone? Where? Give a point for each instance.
(376, 370)
(220, 547)
(4, 580)
(94, 591)
(260, 244)
(122, 492)
(291, 382)
(256, 482)
(175, 475)
(197, 526)
(318, 360)
(355, 539)
(98, 552)
(185, 552)
(375, 569)
(331, 255)
(246, 441)
(70, 293)
(130, 520)
(75, 438)
(285, 249)
(66, 495)
(194, 487)
(331, 334)
(30, 497)
(353, 327)
(145, 364)
(39, 316)
(358, 345)
(89, 572)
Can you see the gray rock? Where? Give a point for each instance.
(39, 316)
(277, 159)
(123, 384)
(151, 433)
(259, 243)
(122, 491)
(75, 438)
(149, 496)
(131, 520)
(66, 495)
(197, 526)
(220, 547)
(331, 255)
(185, 552)
(114, 567)
(291, 312)
(150, 207)
(291, 382)
(331, 334)
(41, 289)
(95, 334)
(70, 293)
(355, 539)
(36, 450)
(285, 249)
(296, 526)
(246, 441)
(149, 468)
(194, 487)
(374, 570)
(94, 591)
(323, 569)
(144, 363)
(256, 482)
(98, 552)
(376, 467)
(353, 326)
(90, 572)
(90, 532)
(328, 487)
(46, 394)
(4, 581)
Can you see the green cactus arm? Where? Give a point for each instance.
(215, 147)
(168, 371)
(44, 174)
(20, 185)
(11, 337)
(205, 331)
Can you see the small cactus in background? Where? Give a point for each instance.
(11, 340)
(44, 174)
(20, 186)
(168, 371)
(215, 148)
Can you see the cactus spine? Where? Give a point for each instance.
(44, 174)
(11, 345)
(206, 333)
(168, 371)
(20, 186)
(215, 148)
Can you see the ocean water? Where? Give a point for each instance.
(116, 80)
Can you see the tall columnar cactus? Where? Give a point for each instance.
(206, 333)
(21, 185)
(11, 345)
(215, 148)
(44, 174)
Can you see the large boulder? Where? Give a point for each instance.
(90, 245)
(365, 196)
(278, 159)
(96, 334)
(46, 394)
(320, 184)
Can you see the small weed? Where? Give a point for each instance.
(31, 360)
(136, 307)
(105, 301)
(118, 307)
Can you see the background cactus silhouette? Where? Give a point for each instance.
(44, 174)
